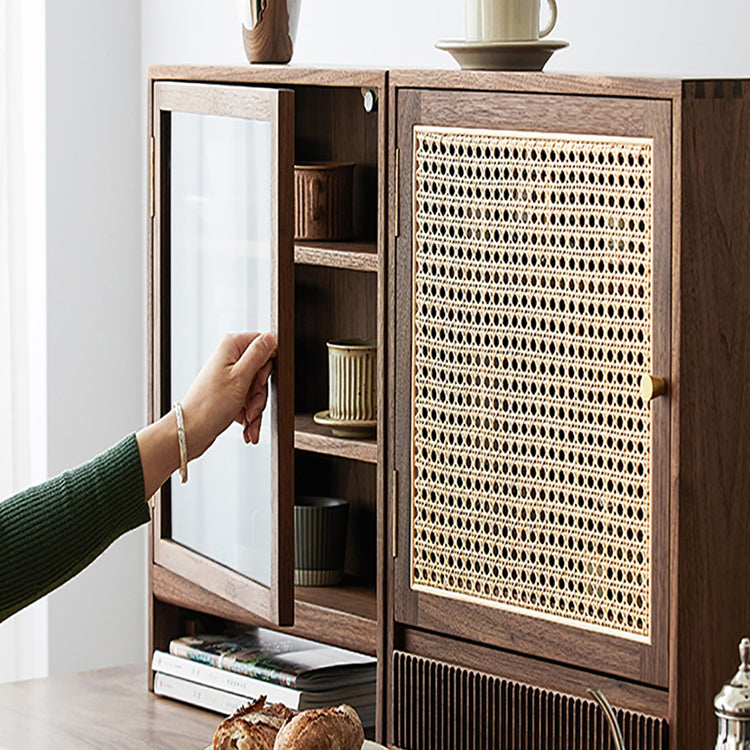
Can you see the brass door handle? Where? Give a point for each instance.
(652, 387)
(609, 713)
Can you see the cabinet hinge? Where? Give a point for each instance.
(396, 190)
(152, 178)
(394, 514)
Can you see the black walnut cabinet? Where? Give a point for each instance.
(556, 269)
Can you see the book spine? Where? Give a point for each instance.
(209, 698)
(231, 665)
(222, 679)
(196, 654)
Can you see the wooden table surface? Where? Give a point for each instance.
(108, 709)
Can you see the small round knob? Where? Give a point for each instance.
(652, 387)
(369, 99)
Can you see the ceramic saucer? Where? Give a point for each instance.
(346, 427)
(478, 55)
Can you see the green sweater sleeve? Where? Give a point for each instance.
(51, 532)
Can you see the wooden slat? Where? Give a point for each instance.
(354, 599)
(711, 455)
(570, 680)
(479, 708)
(356, 256)
(270, 75)
(538, 83)
(309, 436)
(381, 524)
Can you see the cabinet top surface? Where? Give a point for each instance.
(533, 82)
(274, 74)
(563, 83)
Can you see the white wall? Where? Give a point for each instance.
(95, 301)
(653, 37)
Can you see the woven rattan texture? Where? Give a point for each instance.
(532, 328)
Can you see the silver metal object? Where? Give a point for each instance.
(250, 12)
(257, 8)
(609, 714)
(732, 706)
(269, 28)
(369, 99)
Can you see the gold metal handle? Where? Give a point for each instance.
(652, 387)
(609, 714)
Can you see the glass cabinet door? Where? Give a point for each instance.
(224, 262)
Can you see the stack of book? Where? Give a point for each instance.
(222, 672)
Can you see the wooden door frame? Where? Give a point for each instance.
(630, 659)
(274, 603)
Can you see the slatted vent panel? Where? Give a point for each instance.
(442, 707)
(532, 329)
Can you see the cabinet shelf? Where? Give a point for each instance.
(344, 616)
(348, 599)
(309, 436)
(354, 256)
(347, 612)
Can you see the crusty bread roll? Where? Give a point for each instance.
(252, 726)
(322, 729)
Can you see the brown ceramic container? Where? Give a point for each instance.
(323, 200)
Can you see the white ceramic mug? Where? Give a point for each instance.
(506, 20)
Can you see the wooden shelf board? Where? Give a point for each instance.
(348, 598)
(344, 616)
(309, 436)
(355, 256)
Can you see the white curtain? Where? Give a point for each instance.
(23, 638)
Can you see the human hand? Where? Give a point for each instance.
(231, 386)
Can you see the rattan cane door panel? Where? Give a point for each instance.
(530, 492)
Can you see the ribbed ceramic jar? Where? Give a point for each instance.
(323, 200)
(352, 392)
(320, 528)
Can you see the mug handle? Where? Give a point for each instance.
(552, 21)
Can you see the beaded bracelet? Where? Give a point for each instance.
(181, 439)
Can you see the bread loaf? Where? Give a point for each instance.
(322, 729)
(252, 727)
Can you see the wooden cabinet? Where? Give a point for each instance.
(556, 529)
(223, 258)
(530, 252)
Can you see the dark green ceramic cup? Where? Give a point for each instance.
(320, 527)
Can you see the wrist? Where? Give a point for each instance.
(195, 419)
(158, 445)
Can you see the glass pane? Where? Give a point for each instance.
(221, 268)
